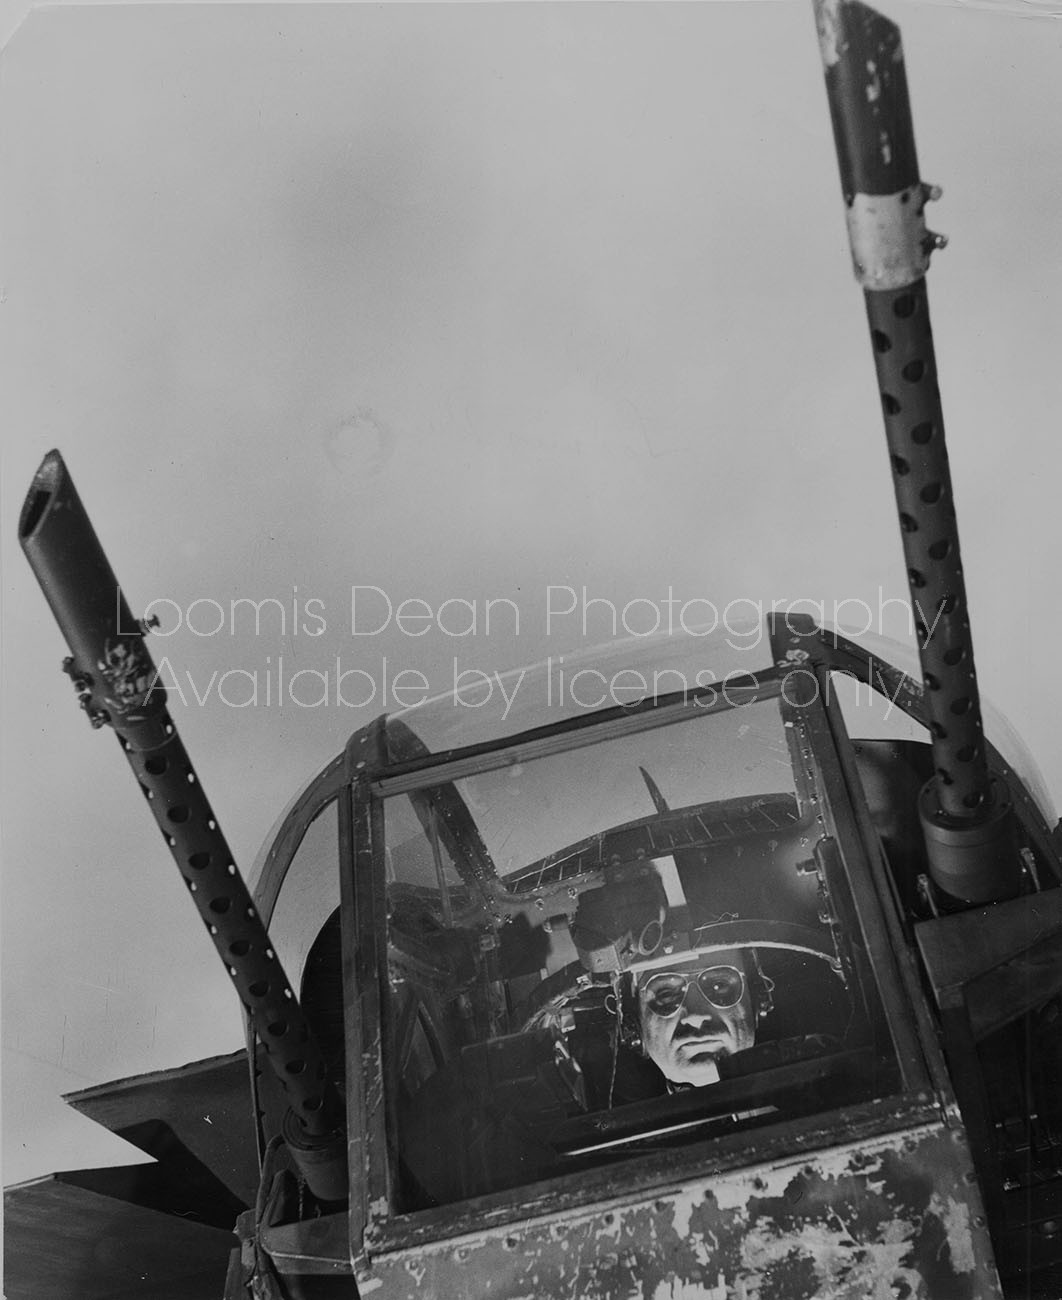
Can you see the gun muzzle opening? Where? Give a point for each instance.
(42, 492)
(115, 679)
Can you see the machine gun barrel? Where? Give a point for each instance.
(117, 682)
(966, 814)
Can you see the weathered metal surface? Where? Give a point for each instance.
(870, 109)
(866, 84)
(364, 926)
(897, 1216)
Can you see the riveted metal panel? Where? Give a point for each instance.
(895, 1216)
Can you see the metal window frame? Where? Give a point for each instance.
(823, 779)
(348, 1241)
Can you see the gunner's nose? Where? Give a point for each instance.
(697, 1010)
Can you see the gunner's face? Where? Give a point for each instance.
(694, 1014)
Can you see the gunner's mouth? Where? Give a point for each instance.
(702, 1048)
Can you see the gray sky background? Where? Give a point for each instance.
(461, 301)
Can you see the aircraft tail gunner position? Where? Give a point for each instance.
(702, 948)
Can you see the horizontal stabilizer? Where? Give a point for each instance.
(195, 1120)
(64, 1242)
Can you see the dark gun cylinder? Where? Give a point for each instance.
(966, 815)
(117, 682)
(914, 430)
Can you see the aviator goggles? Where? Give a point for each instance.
(665, 992)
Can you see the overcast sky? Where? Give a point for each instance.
(461, 302)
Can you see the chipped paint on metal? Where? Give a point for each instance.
(843, 1265)
(955, 1216)
(893, 1215)
(874, 84)
(610, 1228)
(416, 1271)
(683, 1210)
(828, 22)
(685, 1291)
(736, 1192)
